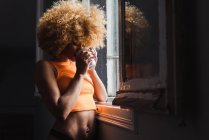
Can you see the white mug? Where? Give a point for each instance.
(92, 64)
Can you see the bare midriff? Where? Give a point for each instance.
(78, 125)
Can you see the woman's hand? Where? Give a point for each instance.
(83, 58)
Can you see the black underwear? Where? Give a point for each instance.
(59, 135)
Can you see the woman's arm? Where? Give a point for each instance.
(100, 92)
(59, 105)
(99, 89)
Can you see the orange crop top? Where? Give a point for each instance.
(65, 72)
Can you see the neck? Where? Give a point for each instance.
(64, 59)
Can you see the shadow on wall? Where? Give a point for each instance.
(16, 76)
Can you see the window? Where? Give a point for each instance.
(150, 61)
(142, 67)
(146, 83)
(143, 47)
(112, 47)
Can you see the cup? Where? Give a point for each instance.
(92, 64)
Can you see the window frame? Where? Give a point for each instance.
(112, 44)
(129, 94)
(156, 82)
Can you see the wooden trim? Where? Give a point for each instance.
(116, 116)
(143, 90)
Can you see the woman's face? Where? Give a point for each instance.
(70, 52)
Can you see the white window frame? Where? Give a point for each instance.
(112, 47)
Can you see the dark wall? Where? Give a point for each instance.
(196, 66)
(203, 65)
(17, 23)
(17, 55)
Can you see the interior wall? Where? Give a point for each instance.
(17, 23)
(17, 55)
(203, 66)
(150, 127)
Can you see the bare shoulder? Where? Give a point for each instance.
(41, 64)
(45, 78)
(43, 69)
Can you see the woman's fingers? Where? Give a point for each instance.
(86, 55)
(93, 51)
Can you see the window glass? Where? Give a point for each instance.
(141, 52)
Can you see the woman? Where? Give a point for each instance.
(66, 84)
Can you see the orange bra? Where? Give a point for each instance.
(65, 72)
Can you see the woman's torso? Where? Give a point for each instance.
(80, 124)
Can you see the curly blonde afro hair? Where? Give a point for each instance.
(69, 23)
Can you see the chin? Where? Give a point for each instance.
(72, 58)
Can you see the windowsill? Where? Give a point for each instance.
(115, 115)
